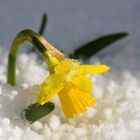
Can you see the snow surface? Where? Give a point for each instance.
(116, 115)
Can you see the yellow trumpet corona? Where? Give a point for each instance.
(70, 82)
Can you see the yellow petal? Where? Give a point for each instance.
(93, 69)
(49, 88)
(82, 82)
(74, 102)
(51, 60)
(65, 66)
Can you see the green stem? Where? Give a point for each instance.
(38, 41)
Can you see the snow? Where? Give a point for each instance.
(115, 116)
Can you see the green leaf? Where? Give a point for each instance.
(97, 45)
(36, 111)
(43, 24)
(41, 31)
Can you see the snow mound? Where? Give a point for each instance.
(115, 116)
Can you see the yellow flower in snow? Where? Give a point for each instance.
(69, 80)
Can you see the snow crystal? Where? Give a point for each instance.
(54, 122)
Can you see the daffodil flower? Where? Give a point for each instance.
(71, 82)
(68, 78)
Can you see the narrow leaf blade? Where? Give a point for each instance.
(97, 45)
(43, 24)
(41, 31)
